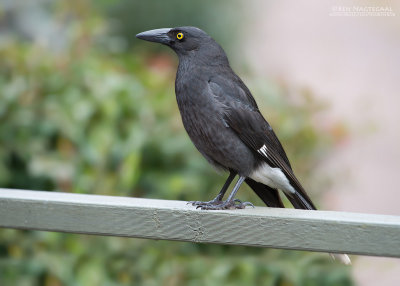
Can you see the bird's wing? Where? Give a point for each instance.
(251, 127)
(255, 132)
(235, 97)
(231, 90)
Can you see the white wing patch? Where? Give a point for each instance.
(263, 151)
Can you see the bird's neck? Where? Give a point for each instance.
(211, 55)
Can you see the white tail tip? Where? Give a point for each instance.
(343, 258)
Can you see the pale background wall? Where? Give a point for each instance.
(354, 63)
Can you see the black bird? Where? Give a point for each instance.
(223, 121)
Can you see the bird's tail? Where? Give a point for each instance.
(267, 194)
(343, 258)
(301, 202)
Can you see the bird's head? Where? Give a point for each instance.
(181, 39)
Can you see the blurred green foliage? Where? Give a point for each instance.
(88, 119)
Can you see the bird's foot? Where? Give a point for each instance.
(213, 202)
(224, 205)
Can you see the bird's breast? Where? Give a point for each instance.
(203, 120)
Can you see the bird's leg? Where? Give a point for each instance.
(230, 203)
(218, 199)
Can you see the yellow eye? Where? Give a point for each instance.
(179, 36)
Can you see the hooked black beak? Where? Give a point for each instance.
(157, 36)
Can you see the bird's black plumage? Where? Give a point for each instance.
(223, 120)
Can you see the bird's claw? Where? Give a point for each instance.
(243, 204)
(200, 203)
(224, 205)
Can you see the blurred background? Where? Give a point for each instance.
(85, 107)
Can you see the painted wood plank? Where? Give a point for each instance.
(326, 231)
